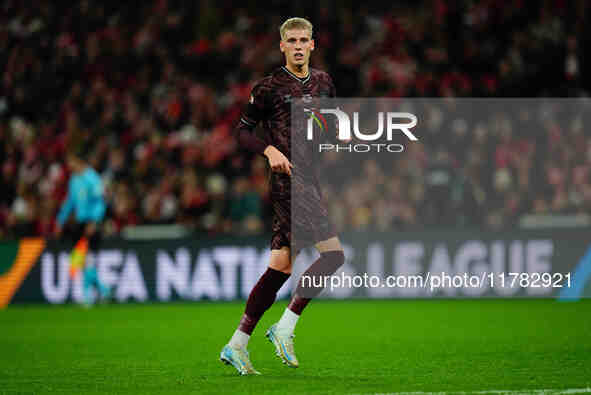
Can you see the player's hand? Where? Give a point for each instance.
(278, 162)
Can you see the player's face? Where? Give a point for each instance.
(297, 46)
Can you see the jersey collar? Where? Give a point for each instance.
(303, 81)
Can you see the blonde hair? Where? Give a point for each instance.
(295, 23)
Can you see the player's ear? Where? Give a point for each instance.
(281, 48)
(311, 45)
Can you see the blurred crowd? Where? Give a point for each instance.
(478, 163)
(156, 87)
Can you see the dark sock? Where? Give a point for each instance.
(328, 263)
(297, 304)
(261, 298)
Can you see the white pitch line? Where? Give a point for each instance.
(508, 392)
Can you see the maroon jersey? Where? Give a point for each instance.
(270, 103)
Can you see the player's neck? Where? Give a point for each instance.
(300, 71)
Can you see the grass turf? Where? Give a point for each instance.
(343, 347)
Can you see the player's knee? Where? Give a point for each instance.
(281, 266)
(281, 261)
(284, 268)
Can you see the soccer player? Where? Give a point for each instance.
(85, 198)
(269, 103)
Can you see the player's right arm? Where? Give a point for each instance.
(256, 110)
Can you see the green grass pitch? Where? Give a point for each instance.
(343, 346)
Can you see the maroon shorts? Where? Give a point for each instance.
(300, 219)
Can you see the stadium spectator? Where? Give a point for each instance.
(156, 87)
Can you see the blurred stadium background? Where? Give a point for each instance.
(152, 90)
(156, 88)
